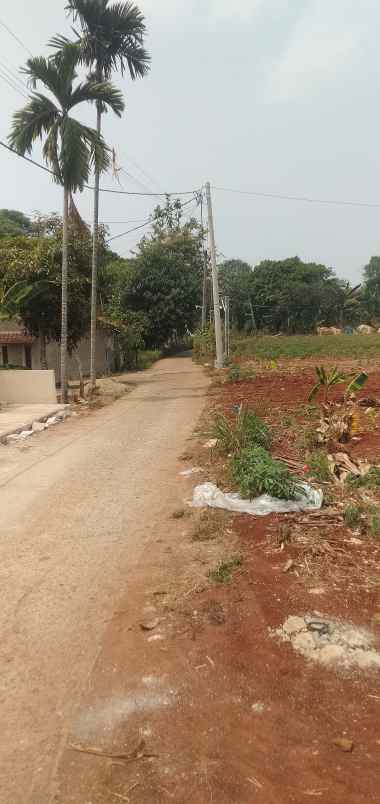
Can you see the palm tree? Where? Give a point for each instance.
(111, 38)
(70, 148)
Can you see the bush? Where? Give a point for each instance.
(223, 573)
(319, 466)
(369, 481)
(353, 515)
(245, 429)
(204, 344)
(255, 472)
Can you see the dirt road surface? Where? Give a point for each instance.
(78, 507)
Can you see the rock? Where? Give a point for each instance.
(37, 427)
(344, 744)
(178, 514)
(288, 566)
(293, 625)
(331, 653)
(51, 420)
(211, 444)
(150, 625)
(258, 707)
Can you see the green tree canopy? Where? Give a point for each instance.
(13, 222)
(166, 277)
(371, 288)
(293, 296)
(235, 281)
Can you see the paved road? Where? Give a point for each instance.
(77, 508)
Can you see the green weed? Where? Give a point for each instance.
(374, 526)
(353, 515)
(223, 573)
(255, 472)
(319, 466)
(243, 430)
(370, 481)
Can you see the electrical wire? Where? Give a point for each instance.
(101, 189)
(149, 222)
(14, 76)
(299, 198)
(20, 42)
(12, 85)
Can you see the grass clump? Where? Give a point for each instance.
(255, 472)
(244, 429)
(369, 481)
(223, 573)
(354, 515)
(374, 526)
(319, 466)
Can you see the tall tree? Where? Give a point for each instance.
(111, 38)
(70, 148)
(166, 275)
(13, 222)
(235, 279)
(371, 290)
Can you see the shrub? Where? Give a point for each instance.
(245, 429)
(374, 526)
(224, 571)
(255, 472)
(369, 481)
(234, 374)
(319, 466)
(353, 515)
(204, 344)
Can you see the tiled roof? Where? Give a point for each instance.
(9, 338)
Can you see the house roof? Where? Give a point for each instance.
(10, 338)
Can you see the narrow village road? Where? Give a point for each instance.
(78, 507)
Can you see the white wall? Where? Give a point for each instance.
(27, 387)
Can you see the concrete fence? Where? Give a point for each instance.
(27, 387)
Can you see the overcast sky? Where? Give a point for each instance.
(271, 96)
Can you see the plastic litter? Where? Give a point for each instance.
(209, 495)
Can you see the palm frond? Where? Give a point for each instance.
(32, 122)
(81, 147)
(111, 38)
(105, 93)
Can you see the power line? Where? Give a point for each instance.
(11, 84)
(102, 189)
(149, 222)
(20, 42)
(13, 76)
(299, 198)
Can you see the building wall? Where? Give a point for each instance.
(104, 354)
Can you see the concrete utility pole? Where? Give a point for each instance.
(204, 290)
(215, 284)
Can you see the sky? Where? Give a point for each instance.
(278, 97)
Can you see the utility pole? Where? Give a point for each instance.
(205, 266)
(204, 290)
(215, 284)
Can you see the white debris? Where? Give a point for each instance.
(330, 642)
(209, 495)
(193, 471)
(37, 427)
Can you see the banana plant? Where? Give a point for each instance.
(326, 381)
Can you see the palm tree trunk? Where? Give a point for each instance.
(43, 358)
(94, 277)
(65, 243)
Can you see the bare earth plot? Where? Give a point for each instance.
(80, 504)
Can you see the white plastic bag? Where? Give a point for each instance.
(209, 495)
